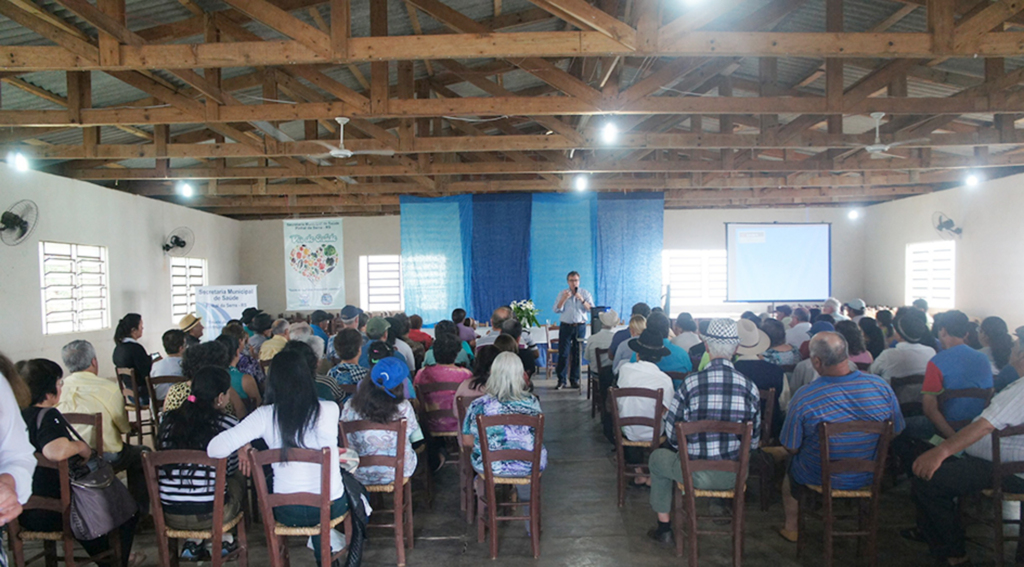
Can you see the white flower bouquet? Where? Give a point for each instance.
(525, 312)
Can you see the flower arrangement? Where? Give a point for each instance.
(525, 312)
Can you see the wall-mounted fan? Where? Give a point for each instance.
(945, 226)
(179, 242)
(878, 150)
(339, 151)
(17, 222)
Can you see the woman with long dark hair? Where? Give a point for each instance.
(129, 352)
(292, 417)
(855, 341)
(996, 342)
(874, 338)
(187, 491)
(210, 353)
(243, 384)
(885, 321)
(481, 370)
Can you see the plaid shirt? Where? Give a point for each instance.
(717, 393)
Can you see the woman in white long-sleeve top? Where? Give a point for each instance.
(17, 462)
(292, 417)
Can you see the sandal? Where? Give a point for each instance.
(790, 536)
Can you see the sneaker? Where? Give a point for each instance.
(193, 551)
(560, 386)
(227, 547)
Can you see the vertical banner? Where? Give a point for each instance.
(218, 304)
(436, 255)
(562, 239)
(314, 273)
(630, 237)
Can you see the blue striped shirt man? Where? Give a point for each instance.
(836, 399)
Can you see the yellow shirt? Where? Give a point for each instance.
(85, 392)
(272, 346)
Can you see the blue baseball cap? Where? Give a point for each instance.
(821, 326)
(389, 373)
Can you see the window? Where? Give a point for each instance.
(380, 283)
(186, 275)
(695, 281)
(75, 288)
(931, 273)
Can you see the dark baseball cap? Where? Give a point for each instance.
(350, 312)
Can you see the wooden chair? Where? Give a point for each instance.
(867, 496)
(863, 366)
(466, 473)
(132, 392)
(156, 405)
(1000, 470)
(265, 365)
(596, 396)
(167, 537)
(427, 415)
(984, 394)
(62, 506)
(349, 389)
(487, 502)
(277, 533)
(401, 509)
(763, 469)
(909, 408)
(685, 496)
(551, 358)
(618, 422)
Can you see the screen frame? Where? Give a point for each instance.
(728, 280)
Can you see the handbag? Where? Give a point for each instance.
(100, 503)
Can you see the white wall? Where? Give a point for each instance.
(989, 267)
(263, 262)
(132, 228)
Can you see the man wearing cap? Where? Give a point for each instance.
(783, 311)
(957, 367)
(799, 327)
(349, 320)
(855, 309)
(320, 321)
(677, 360)
(603, 339)
(717, 393)
(909, 358)
(193, 328)
(377, 330)
(841, 394)
(573, 305)
(261, 324)
(644, 373)
(247, 317)
(279, 338)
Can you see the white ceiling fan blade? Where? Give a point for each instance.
(374, 153)
(883, 155)
(907, 142)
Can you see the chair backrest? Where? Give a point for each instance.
(652, 421)
(876, 466)
(689, 466)
(488, 457)
(130, 391)
(599, 353)
(446, 389)
(265, 365)
(767, 414)
(94, 420)
(152, 461)
(60, 505)
(863, 366)
(905, 381)
(552, 337)
(397, 427)
(983, 394)
(677, 376)
(155, 404)
(1002, 469)
(461, 408)
(349, 389)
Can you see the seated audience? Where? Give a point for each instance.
(717, 393)
(170, 364)
(465, 357)
(261, 325)
(446, 349)
(884, 318)
(377, 330)
(644, 373)
(348, 343)
(764, 375)
(320, 322)
(779, 351)
(943, 478)
(400, 325)
(855, 309)
(909, 358)
(525, 347)
(129, 353)
(380, 399)
(474, 386)
(396, 330)
(752, 317)
(210, 353)
(623, 335)
(996, 342)
(1012, 371)
(874, 339)
(685, 329)
(416, 333)
(466, 333)
(833, 307)
(248, 314)
(85, 392)
(50, 434)
(498, 317)
(841, 394)
(678, 360)
(637, 325)
(349, 318)
(956, 367)
(193, 328)
(799, 328)
(292, 417)
(804, 373)
(602, 339)
(243, 384)
(278, 338)
(247, 363)
(187, 490)
(782, 312)
(921, 305)
(858, 352)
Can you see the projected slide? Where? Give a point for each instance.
(778, 262)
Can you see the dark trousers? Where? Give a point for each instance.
(304, 516)
(130, 461)
(938, 512)
(47, 521)
(570, 337)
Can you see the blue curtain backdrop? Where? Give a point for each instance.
(561, 240)
(630, 236)
(436, 255)
(500, 251)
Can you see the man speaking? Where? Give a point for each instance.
(574, 304)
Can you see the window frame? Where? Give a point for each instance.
(934, 275)
(79, 292)
(190, 291)
(713, 290)
(366, 301)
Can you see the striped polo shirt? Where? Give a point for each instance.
(189, 489)
(837, 399)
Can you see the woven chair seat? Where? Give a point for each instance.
(697, 493)
(386, 488)
(628, 443)
(445, 434)
(283, 530)
(520, 480)
(859, 493)
(202, 534)
(1007, 496)
(37, 536)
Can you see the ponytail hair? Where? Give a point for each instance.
(999, 340)
(197, 420)
(292, 392)
(125, 326)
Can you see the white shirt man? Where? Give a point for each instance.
(642, 375)
(909, 358)
(602, 339)
(799, 332)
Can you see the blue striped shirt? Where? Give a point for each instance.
(837, 399)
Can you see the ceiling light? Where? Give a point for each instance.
(186, 190)
(610, 133)
(972, 180)
(853, 214)
(581, 182)
(18, 161)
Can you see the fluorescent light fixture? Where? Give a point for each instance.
(581, 182)
(18, 161)
(854, 214)
(972, 180)
(186, 190)
(610, 133)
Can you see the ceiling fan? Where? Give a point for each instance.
(340, 152)
(878, 150)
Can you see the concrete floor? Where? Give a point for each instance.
(583, 527)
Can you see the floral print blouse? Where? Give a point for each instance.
(508, 437)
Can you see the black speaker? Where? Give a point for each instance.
(595, 318)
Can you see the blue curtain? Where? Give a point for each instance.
(630, 238)
(436, 255)
(500, 250)
(561, 240)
